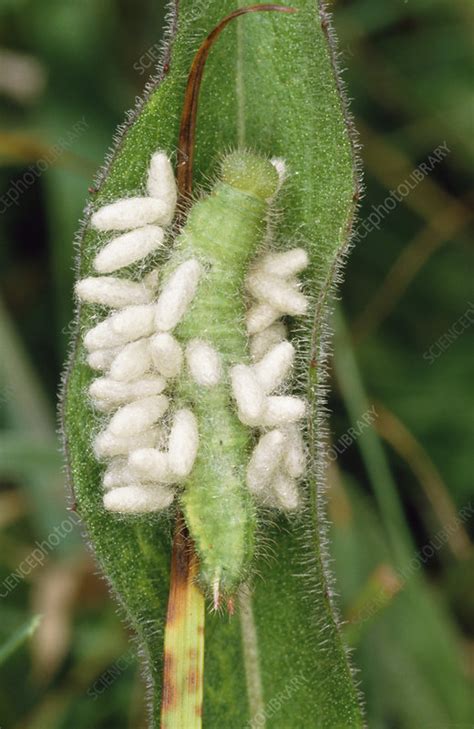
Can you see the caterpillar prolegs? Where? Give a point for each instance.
(196, 384)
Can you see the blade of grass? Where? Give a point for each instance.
(383, 483)
(391, 428)
(23, 392)
(22, 456)
(18, 638)
(29, 412)
(428, 627)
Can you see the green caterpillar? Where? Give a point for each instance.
(223, 231)
(219, 396)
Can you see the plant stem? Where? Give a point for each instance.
(184, 639)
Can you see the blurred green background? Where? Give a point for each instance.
(400, 495)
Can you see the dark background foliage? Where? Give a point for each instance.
(401, 483)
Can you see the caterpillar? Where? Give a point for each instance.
(195, 364)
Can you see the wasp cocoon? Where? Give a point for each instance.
(132, 361)
(113, 292)
(248, 393)
(177, 294)
(141, 499)
(119, 474)
(183, 443)
(131, 213)
(166, 354)
(137, 356)
(276, 463)
(204, 363)
(282, 409)
(150, 464)
(264, 461)
(273, 367)
(285, 264)
(137, 416)
(108, 445)
(116, 393)
(101, 359)
(277, 293)
(124, 326)
(285, 491)
(261, 316)
(263, 341)
(161, 183)
(128, 248)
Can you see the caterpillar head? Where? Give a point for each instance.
(251, 174)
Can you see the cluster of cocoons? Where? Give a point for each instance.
(137, 354)
(278, 459)
(148, 450)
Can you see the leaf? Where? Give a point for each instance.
(269, 84)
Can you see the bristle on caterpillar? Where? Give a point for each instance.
(184, 392)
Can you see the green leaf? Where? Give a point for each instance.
(270, 85)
